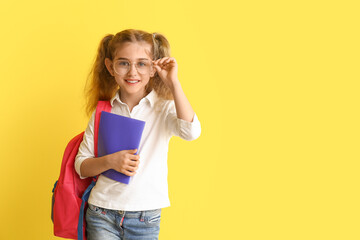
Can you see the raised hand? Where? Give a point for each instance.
(167, 69)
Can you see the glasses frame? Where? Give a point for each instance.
(131, 64)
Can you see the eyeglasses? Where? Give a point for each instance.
(122, 67)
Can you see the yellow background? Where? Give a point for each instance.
(275, 85)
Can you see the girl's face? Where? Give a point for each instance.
(129, 67)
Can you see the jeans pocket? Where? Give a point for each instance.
(152, 218)
(97, 210)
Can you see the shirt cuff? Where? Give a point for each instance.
(78, 163)
(189, 130)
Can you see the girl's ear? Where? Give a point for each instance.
(109, 67)
(153, 71)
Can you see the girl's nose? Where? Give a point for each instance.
(133, 69)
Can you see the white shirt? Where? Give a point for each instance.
(148, 188)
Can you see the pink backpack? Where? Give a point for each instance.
(70, 193)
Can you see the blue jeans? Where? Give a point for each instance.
(105, 224)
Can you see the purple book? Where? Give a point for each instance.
(117, 133)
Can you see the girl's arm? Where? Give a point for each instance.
(87, 166)
(167, 69)
(123, 161)
(94, 166)
(183, 108)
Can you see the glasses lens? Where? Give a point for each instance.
(143, 66)
(122, 67)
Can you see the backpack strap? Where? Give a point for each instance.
(101, 106)
(84, 199)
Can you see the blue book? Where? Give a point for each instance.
(117, 133)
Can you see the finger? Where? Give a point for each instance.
(126, 170)
(170, 60)
(157, 68)
(131, 151)
(165, 63)
(129, 173)
(173, 61)
(133, 157)
(133, 163)
(131, 169)
(156, 62)
(163, 60)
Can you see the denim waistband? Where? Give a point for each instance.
(128, 214)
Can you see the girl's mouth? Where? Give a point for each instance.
(132, 81)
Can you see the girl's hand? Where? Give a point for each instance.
(125, 162)
(167, 69)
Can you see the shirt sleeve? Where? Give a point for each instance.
(178, 127)
(86, 148)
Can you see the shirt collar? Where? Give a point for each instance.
(151, 98)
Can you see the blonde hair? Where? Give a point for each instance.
(101, 85)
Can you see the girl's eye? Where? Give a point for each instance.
(123, 63)
(142, 64)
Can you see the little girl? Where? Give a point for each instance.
(134, 71)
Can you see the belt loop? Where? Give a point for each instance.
(142, 217)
